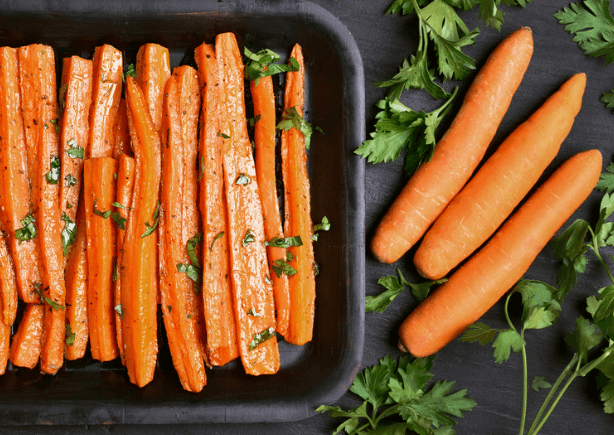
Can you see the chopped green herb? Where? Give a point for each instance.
(201, 170)
(74, 151)
(119, 310)
(170, 308)
(38, 287)
(316, 269)
(251, 312)
(115, 272)
(28, 229)
(68, 233)
(130, 71)
(56, 125)
(280, 267)
(261, 337)
(192, 272)
(218, 236)
(277, 242)
(243, 179)
(151, 228)
(118, 205)
(115, 176)
(250, 237)
(225, 136)
(68, 205)
(191, 248)
(62, 96)
(289, 256)
(292, 119)
(53, 175)
(70, 336)
(119, 220)
(261, 64)
(102, 214)
(322, 226)
(267, 279)
(70, 180)
(253, 121)
(46, 126)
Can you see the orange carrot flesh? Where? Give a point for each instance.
(217, 297)
(180, 303)
(75, 98)
(106, 93)
(8, 284)
(298, 212)
(139, 265)
(480, 282)
(264, 140)
(27, 342)
(499, 186)
(152, 72)
(251, 291)
(121, 134)
(125, 186)
(459, 151)
(99, 195)
(5, 345)
(76, 291)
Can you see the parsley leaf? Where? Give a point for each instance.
(570, 249)
(261, 64)
(217, 236)
(584, 337)
(249, 237)
(191, 248)
(119, 220)
(479, 332)
(281, 266)
(191, 271)
(70, 180)
(70, 336)
(608, 99)
(539, 383)
(606, 181)
(68, 233)
(151, 228)
(102, 214)
(28, 229)
(285, 243)
(53, 175)
(38, 287)
(290, 118)
(75, 151)
(130, 71)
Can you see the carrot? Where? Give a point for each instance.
(5, 345)
(99, 195)
(75, 98)
(458, 152)
(27, 342)
(493, 193)
(14, 187)
(38, 69)
(76, 291)
(138, 268)
(8, 284)
(125, 185)
(121, 134)
(152, 71)
(480, 282)
(218, 306)
(252, 292)
(264, 139)
(178, 223)
(106, 93)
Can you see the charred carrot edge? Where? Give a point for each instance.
(99, 195)
(177, 290)
(298, 211)
(21, 152)
(251, 291)
(76, 290)
(458, 153)
(121, 134)
(152, 71)
(500, 184)
(75, 99)
(27, 342)
(106, 93)
(5, 345)
(139, 265)
(264, 140)
(480, 282)
(125, 185)
(8, 283)
(41, 71)
(217, 297)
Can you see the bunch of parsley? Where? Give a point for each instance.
(399, 127)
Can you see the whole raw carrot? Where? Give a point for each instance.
(121, 134)
(106, 93)
(480, 282)
(298, 211)
(217, 297)
(139, 265)
(99, 195)
(500, 184)
(8, 283)
(153, 69)
(26, 345)
(458, 152)
(252, 293)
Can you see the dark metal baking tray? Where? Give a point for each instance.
(88, 392)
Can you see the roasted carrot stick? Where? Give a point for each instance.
(5, 345)
(480, 282)
(252, 292)
(121, 133)
(218, 305)
(499, 186)
(139, 265)
(298, 211)
(153, 69)
(27, 342)
(76, 291)
(106, 93)
(99, 195)
(75, 98)
(264, 139)
(125, 185)
(39, 70)
(8, 284)
(14, 189)
(458, 152)
(180, 301)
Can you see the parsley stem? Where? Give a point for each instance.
(507, 315)
(391, 410)
(525, 383)
(595, 248)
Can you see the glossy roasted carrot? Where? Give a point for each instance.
(180, 293)
(75, 99)
(264, 139)
(76, 291)
(480, 282)
(39, 69)
(8, 284)
(458, 153)
(99, 195)
(121, 133)
(139, 265)
(27, 342)
(217, 297)
(500, 184)
(106, 93)
(153, 69)
(252, 292)
(15, 185)
(5, 345)
(125, 186)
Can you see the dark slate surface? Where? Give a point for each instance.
(384, 42)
